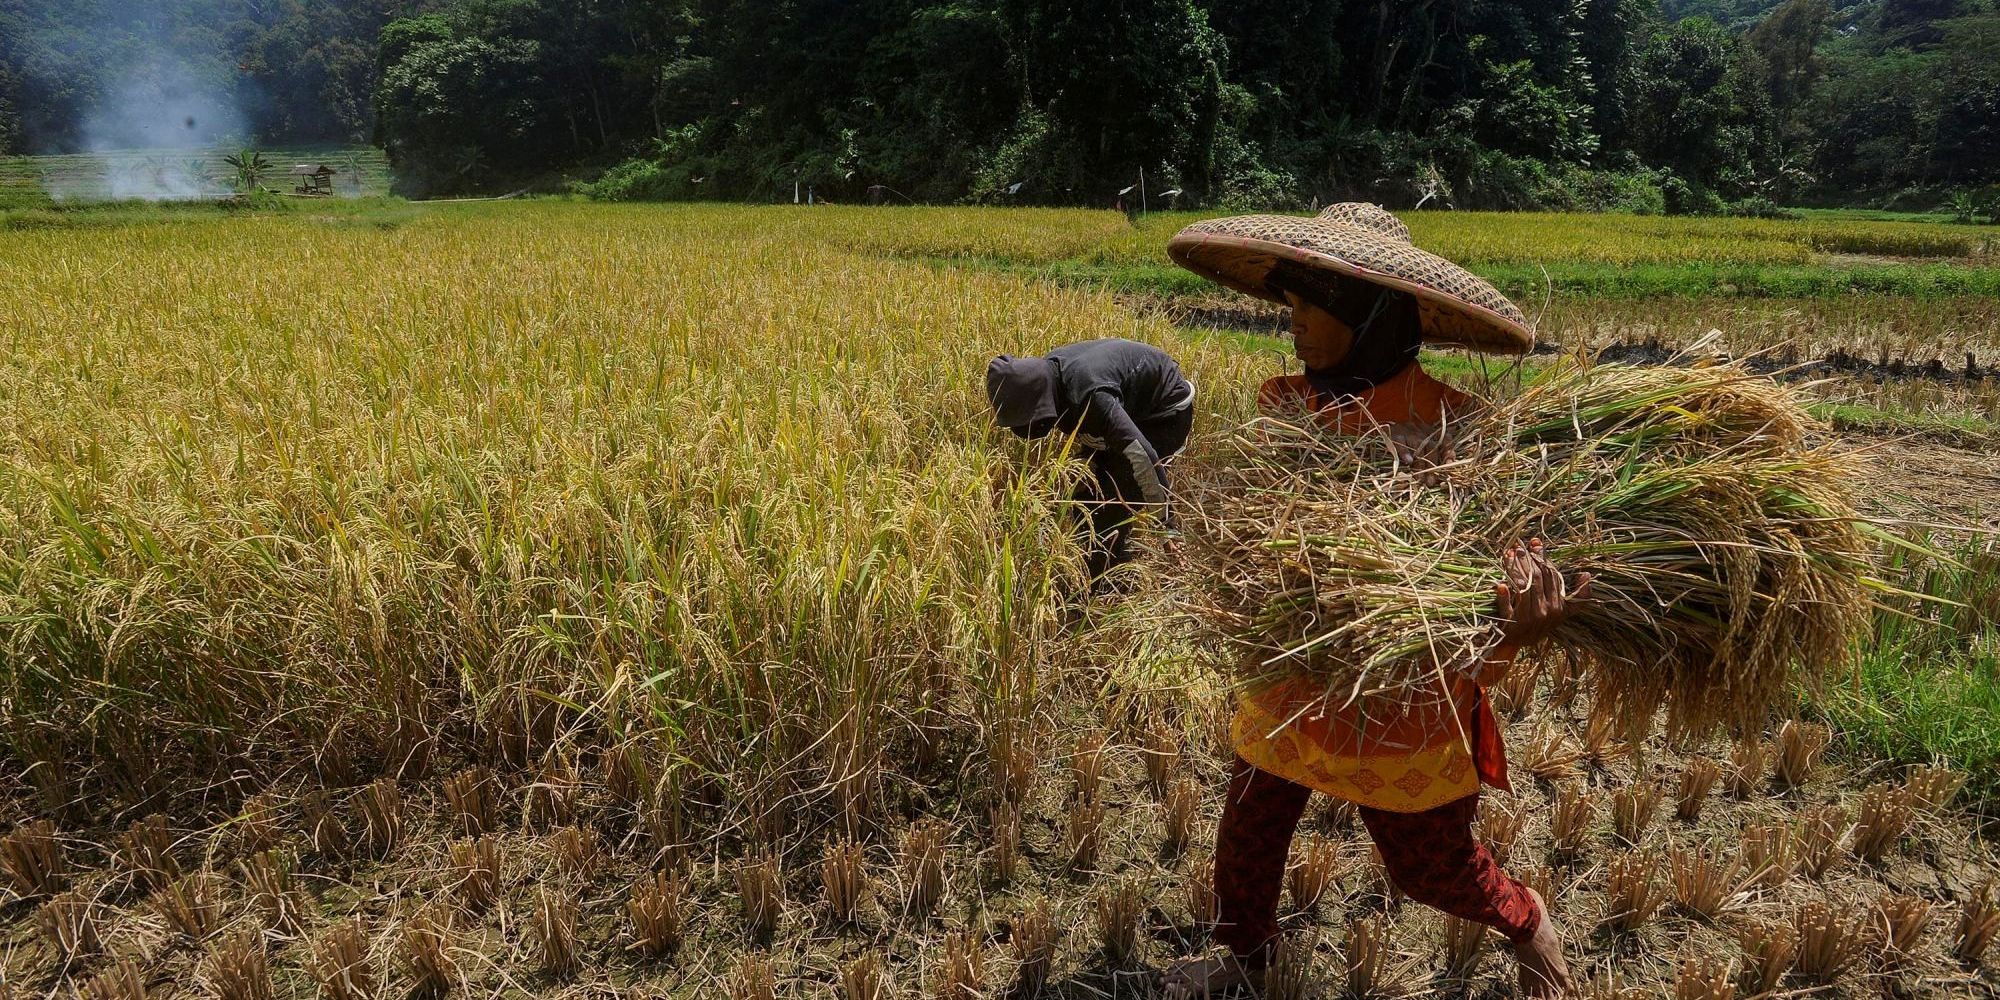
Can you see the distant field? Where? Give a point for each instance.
(32, 181)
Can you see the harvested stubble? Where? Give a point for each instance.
(260, 825)
(1631, 893)
(761, 895)
(191, 906)
(1179, 810)
(753, 978)
(551, 800)
(1746, 767)
(1821, 829)
(1549, 755)
(1829, 941)
(576, 851)
(1601, 743)
(962, 975)
(1464, 947)
(1704, 977)
(1632, 809)
(70, 924)
(657, 911)
(1289, 976)
(1933, 787)
(1728, 564)
(1121, 915)
(864, 979)
(325, 832)
(268, 881)
(1500, 825)
(1901, 922)
(238, 969)
(923, 866)
(33, 856)
(148, 852)
(1367, 967)
(1035, 937)
(1886, 814)
(843, 874)
(1202, 904)
(552, 925)
(1006, 841)
(381, 807)
(1800, 745)
(340, 966)
(1086, 766)
(1312, 880)
(475, 869)
(1569, 823)
(1085, 833)
(472, 801)
(126, 980)
(1770, 949)
(1770, 855)
(426, 952)
(1978, 924)
(1697, 778)
(1703, 879)
(1162, 755)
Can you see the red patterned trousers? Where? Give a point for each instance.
(1432, 856)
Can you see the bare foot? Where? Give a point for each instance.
(1543, 971)
(1199, 978)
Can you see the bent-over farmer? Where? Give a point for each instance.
(1126, 402)
(1364, 300)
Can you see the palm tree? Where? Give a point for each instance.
(250, 166)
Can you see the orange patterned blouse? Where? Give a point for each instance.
(1421, 755)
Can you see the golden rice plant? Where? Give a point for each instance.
(1770, 948)
(238, 969)
(32, 854)
(1933, 787)
(576, 851)
(71, 922)
(657, 912)
(1289, 976)
(552, 927)
(1632, 811)
(472, 801)
(962, 974)
(147, 851)
(922, 862)
(1821, 829)
(1006, 832)
(1770, 855)
(125, 979)
(1901, 922)
(1121, 917)
(1885, 815)
(273, 891)
(340, 966)
(1697, 778)
(381, 807)
(1035, 938)
(1161, 752)
(191, 906)
(1085, 833)
(1368, 972)
(844, 876)
(753, 978)
(1746, 767)
(1704, 977)
(1695, 496)
(1464, 947)
(864, 978)
(1500, 826)
(1632, 896)
(1180, 809)
(426, 949)
(1978, 924)
(1829, 941)
(1569, 822)
(761, 895)
(1704, 879)
(1313, 880)
(1800, 746)
(475, 870)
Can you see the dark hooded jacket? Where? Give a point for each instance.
(1103, 391)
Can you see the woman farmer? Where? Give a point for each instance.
(1363, 301)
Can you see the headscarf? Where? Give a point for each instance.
(1023, 394)
(1388, 332)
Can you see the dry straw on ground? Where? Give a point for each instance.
(1727, 560)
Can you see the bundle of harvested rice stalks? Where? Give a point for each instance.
(1726, 556)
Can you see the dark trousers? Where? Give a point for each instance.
(1108, 517)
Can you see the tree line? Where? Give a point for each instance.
(1651, 105)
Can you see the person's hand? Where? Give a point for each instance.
(1420, 448)
(1531, 603)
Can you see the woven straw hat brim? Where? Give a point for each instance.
(1456, 306)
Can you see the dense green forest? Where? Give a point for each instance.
(1651, 105)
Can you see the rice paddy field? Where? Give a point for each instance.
(548, 599)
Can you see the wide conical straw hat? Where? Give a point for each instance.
(1362, 242)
